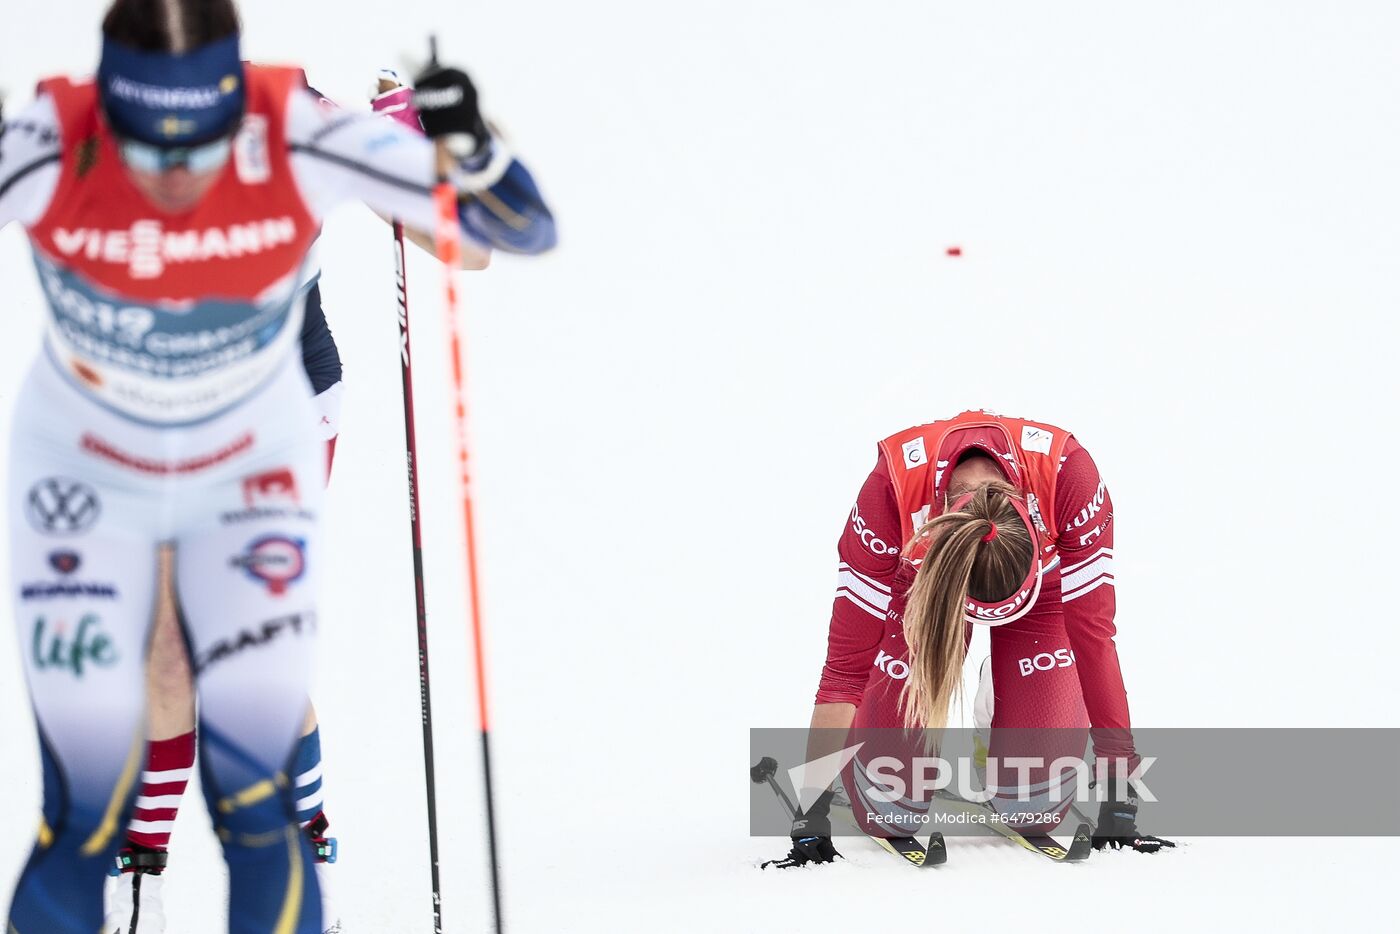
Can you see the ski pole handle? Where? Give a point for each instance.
(765, 771)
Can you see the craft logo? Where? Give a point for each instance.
(57, 649)
(275, 560)
(249, 639)
(58, 506)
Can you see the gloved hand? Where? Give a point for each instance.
(394, 99)
(811, 837)
(1117, 826)
(447, 106)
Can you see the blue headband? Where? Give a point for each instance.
(172, 100)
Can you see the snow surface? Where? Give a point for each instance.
(1179, 237)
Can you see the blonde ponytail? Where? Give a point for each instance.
(960, 561)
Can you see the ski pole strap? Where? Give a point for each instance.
(141, 859)
(325, 849)
(318, 825)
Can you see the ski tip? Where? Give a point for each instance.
(1083, 844)
(767, 767)
(937, 852)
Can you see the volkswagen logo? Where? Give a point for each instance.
(62, 507)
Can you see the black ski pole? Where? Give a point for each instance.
(763, 772)
(416, 528)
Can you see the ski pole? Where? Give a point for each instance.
(763, 772)
(416, 528)
(449, 250)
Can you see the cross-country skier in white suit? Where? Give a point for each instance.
(171, 203)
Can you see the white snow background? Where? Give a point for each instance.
(1179, 227)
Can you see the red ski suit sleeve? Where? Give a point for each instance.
(868, 580)
(1084, 512)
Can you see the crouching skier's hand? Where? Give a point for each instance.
(811, 837)
(1117, 826)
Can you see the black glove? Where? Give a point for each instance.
(447, 105)
(811, 837)
(1117, 826)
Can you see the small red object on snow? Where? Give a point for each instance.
(954, 251)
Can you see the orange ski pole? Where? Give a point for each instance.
(449, 250)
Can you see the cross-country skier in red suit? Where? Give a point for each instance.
(171, 204)
(977, 519)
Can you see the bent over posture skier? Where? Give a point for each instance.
(977, 519)
(171, 204)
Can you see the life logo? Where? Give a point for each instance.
(867, 537)
(1046, 661)
(59, 647)
(275, 560)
